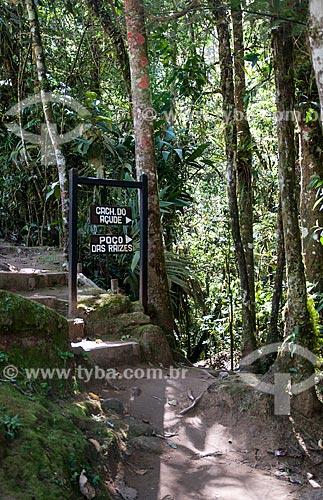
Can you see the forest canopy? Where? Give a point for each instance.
(236, 120)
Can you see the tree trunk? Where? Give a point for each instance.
(311, 163)
(112, 30)
(283, 63)
(274, 334)
(244, 155)
(49, 120)
(158, 290)
(316, 42)
(227, 90)
(298, 325)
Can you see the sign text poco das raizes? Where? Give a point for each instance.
(111, 243)
(110, 215)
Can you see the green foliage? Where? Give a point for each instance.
(48, 452)
(65, 355)
(4, 358)
(190, 152)
(11, 425)
(316, 339)
(190, 78)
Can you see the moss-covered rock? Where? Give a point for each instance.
(48, 452)
(111, 316)
(148, 444)
(115, 327)
(153, 344)
(22, 319)
(31, 334)
(137, 428)
(104, 305)
(136, 307)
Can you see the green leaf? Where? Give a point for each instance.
(170, 134)
(253, 57)
(165, 155)
(91, 95)
(179, 152)
(320, 307)
(54, 191)
(310, 115)
(106, 121)
(318, 202)
(314, 181)
(135, 261)
(198, 152)
(208, 162)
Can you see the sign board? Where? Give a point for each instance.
(111, 243)
(107, 243)
(110, 215)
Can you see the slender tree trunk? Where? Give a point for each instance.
(111, 28)
(244, 155)
(227, 90)
(284, 79)
(297, 300)
(316, 42)
(311, 163)
(158, 290)
(274, 335)
(297, 320)
(49, 120)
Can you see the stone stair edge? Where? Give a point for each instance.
(10, 249)
(12, 281)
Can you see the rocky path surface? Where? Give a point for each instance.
(187, 458)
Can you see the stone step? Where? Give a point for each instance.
(51, 301)
(20, 249)
(57, 297)
(15, 282)
(109, 354)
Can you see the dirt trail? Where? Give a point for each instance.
(201, 459)
(202, 456)
(17, 258)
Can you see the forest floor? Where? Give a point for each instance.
(230, 446)
(24, 259)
